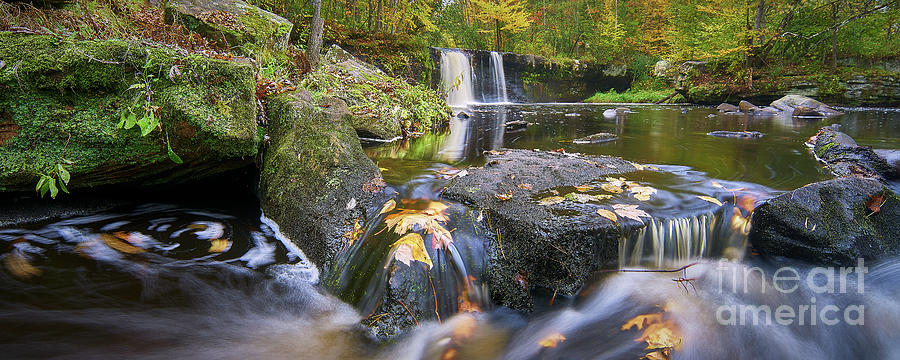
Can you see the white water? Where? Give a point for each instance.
(499, 76)
(456, 77)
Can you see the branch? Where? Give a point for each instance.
(649, 270)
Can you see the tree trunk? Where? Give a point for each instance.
(497, 41)
(759, 24)
(314, 47)
(834, 29)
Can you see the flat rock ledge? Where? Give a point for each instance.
(552, 247)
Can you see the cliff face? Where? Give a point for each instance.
(531, 78)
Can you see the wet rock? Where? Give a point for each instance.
(62, 97)
(516, 125)
(727, 108)
(843, 157)
(313, 176)
(234, 23)
(799, 105)
(892, 157)
(537, 246)
(611, 113)
(829, 223)
(746, 106)
(736, 134)
(595, 138)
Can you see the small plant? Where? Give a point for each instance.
(143, 106)
(54, 180)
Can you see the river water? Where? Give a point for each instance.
(212, 279)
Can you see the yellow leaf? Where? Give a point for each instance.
(119, 245)
(550, 341)
(637, 166)
(710, 199)
(504, 196)
(218, 245)
(641, 320)
(18, 265)
(611, 187)
(410, 248)
(551, 200)
(609, 215)
(388, 206)
(583, 188)
(658, 333)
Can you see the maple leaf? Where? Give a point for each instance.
(409, 248)
(659, 334)
(630, 212)
(440, 237)
(610, 187)
(551, 340)
(642, 193)
(609, 215)
(581, 198)
(710, 199)
(551, 200)
(875, 202)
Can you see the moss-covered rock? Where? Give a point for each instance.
(234, 23)
(379, 106)
(62, 99)
(843, 157)
(829, 223)
(313, 176)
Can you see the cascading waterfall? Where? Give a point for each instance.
(499, 76)
(456, 77)
(670, 242)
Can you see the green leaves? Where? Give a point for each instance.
(172, 155)
(55, 181)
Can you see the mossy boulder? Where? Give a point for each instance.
(843, 157)
(62, 99)
(379, 106)
(232, 23)
(830, 223)
(315, 178)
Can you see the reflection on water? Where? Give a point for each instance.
(655, 135)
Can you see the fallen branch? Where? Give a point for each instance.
(649, 270)
(667, 98)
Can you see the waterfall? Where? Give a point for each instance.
(456, 77)
(499, 76)
(676, 241)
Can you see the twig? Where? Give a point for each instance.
(553, 297)
(410, 312)
(435, 298)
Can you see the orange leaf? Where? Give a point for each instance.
(550, 341)
(875, 202)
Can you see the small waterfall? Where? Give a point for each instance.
(499, 76)
(671, 242)
(456, 77)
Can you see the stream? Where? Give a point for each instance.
(182, 277)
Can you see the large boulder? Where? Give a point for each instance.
(830, 223)
(315, 178)
(62, 99)
(798, 105)
(551, 247)
(232, 23)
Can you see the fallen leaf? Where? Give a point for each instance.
(411, 248)
(550, 341)
(710, 199)
(583, 188)
(388, 206)
(609, 215)
(131, 238)
(741, 224)
(353, 234)
(551, 200)
(524, 186)
(637, 166)
(218, 245)
(119, 245)
(630, 212)
(522, 279)
(611, 187)
(440, 237)
(18, 265)
(642, 320)
(642, 193)
(505, 195)
(661, 335)
(874, 203)
(581, 198)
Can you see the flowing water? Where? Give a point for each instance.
(208, 278)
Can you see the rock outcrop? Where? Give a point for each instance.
(62, 100)
(233, 23)
(843, 157)
(313, 176)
